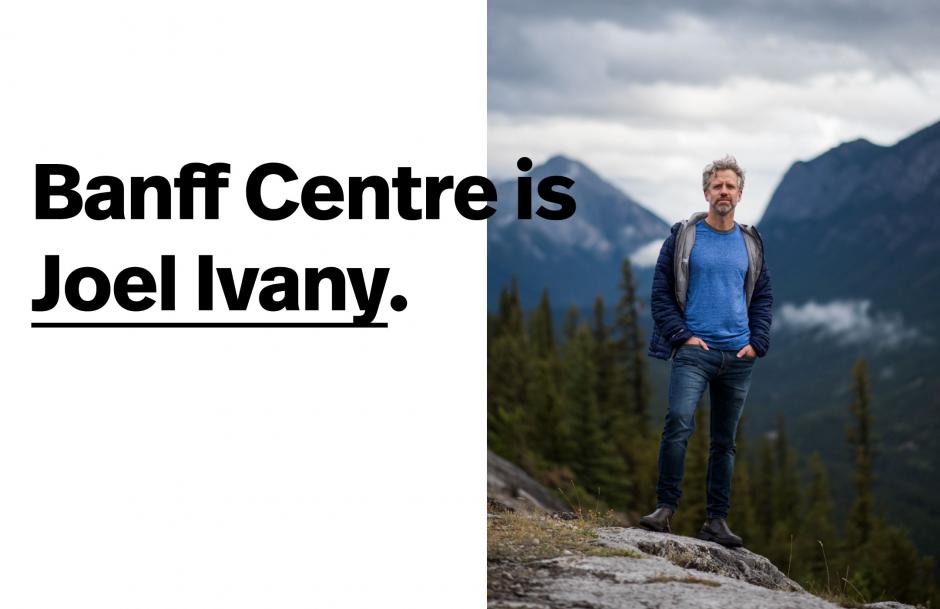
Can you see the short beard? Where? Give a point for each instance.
(722, 212)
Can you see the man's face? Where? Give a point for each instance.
(723, 193)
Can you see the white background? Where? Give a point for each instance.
(244, 468)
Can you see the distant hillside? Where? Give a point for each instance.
(861, 221)
(852, 240)
(577, 258)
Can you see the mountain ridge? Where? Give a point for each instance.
(576, 259)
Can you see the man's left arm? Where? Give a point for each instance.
(760, 312)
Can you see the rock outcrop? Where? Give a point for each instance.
(704, 556)
(665, 571)
(512, 487)
(542, 556)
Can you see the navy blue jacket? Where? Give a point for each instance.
(669, 329)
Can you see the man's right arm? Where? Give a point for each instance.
(666, 313)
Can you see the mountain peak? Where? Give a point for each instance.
(566, 166)
(851, 151)
(819, 186)
(580, 257)
(834, 179)
(856, 144)
(559, 158)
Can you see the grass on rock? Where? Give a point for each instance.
(521, 536)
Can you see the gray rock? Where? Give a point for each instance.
(512, 487)
(671, 571)
(597, 582)
(713, 577)
(706, 556)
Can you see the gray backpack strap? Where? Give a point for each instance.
(685, 240)
(755, 260)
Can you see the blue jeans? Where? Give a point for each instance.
(728, 378)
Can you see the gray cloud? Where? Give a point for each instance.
(566, 65)
(648, 92)
(605, 54)
(906, 29)
(647, 255)
(847, 322)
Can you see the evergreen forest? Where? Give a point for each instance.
(569, 401)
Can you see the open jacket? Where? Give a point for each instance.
(671, 286)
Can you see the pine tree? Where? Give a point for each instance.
(631, 390)
(552, 434)
(509, 320)
(631, 348)
(572, 321)
(604, 364)
(598, 467)
(818, 548)
(887, 565)
(613, 396)
(900, 569)
(542, 328)
(859, 526)
(644, 463)
(509, 424)
(764, 485)
(786, 500)
(786, 484)
(741, 517)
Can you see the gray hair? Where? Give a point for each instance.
(727, 162)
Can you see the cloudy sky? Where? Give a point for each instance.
(648, 92)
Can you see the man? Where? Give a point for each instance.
(711, 307)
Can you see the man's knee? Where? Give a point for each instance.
(679, 426)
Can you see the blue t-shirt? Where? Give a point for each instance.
(716, 307)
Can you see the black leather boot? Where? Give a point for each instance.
(657, 521)
(716, 529)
